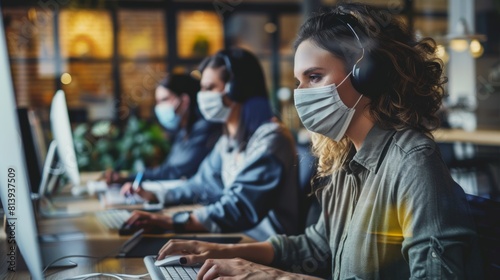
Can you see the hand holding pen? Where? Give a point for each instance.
(128, 189)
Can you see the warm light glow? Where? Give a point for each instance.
(199, 14)
(442, 53)
(459, 45)
(196, 74)
(476, 49)
(66, 78)
(199, 33)
(32, 14)
(86, 33)
(81, 48)
(144, 36)
(270, 27)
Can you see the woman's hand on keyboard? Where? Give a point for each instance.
(195, 252)
(238, 268)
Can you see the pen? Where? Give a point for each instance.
(137, 181)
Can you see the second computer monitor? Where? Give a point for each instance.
(62, 134)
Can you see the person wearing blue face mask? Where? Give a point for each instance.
(249, 182)
(192, 137)
(166, 112)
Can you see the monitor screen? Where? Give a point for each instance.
(14, 184)
(61, 130)
(35, 149)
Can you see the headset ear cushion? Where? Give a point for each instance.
(227, 88)
(369, 76)
(355, 77)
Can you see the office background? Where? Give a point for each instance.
(109, 55)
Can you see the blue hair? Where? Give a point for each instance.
(255, 112)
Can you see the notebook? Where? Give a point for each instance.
(111, 197)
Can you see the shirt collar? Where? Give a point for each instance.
(373, 149)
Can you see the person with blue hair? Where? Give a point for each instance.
(249, 181)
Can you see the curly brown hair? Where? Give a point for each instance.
(411, 87)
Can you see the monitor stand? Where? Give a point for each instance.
(50, 246)
(50, 249)
(47, 209)
(50, 173)
(48, 258)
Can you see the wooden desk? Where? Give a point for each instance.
(96, 241)
(478, 137)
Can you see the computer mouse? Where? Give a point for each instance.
(127, 229)
(169, 260)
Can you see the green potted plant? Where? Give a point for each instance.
(102, 145)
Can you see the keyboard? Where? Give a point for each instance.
(112, 218)
(175, 272)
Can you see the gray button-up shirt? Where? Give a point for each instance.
(392, 212)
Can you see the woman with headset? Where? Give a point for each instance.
(369, 91)
(191, 135)
(249, 181)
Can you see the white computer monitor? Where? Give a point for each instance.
(60, 159)
(62, 134)
(14, 185)
(15, 191)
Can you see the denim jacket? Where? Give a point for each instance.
(392, 212)
(254, 190)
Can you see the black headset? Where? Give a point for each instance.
(229, 67)
(369, 72)
(239, 87)
(235, 87)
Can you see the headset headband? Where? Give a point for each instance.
(227, 62)
(369, 73)
(228, 88)
(345, 19)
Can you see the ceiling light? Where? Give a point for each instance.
(462, 40)
(476, 48)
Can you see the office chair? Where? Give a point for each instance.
(309, 206)
(476, 163)
(486, 214)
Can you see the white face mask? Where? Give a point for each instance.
(322, 111)
(211, 106)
